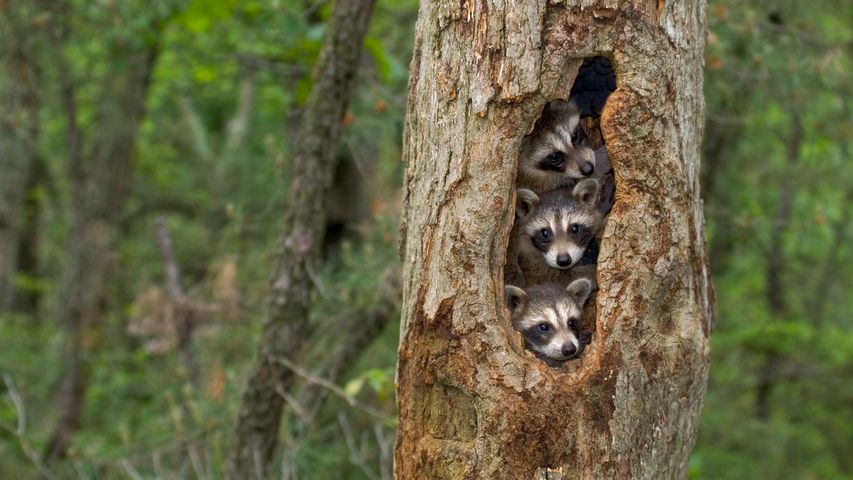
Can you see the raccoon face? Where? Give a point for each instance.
(546, 316)
(556, 152)
(558, 227)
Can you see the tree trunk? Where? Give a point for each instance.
(100, 179)
(472, 402)
(775, 289)
(288, 301)
(18, 131)
(27, 298)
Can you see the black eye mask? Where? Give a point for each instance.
(555, 162)
(591, 254)
(535, 336)
(541, 241)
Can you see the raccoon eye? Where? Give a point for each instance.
(545, 233)
(576, 136)
(572, 323)
(543, 327)
(555, 160)
(575, 228)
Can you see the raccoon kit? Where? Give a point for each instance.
(557, 153)
(554, 232)
(547, 316)
(565, 189)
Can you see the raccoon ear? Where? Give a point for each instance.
(602, 161)
(579, 290)
(525, 202)
(516, 298)
(586, 191)
(558, 106)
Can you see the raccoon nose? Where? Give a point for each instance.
(564, 260)
(587, 168)
(569, 349)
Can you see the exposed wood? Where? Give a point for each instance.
(472, 402)
(259, 416)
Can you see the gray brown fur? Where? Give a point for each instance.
(548, 316)
(556, 154)
(606, 181)
(534, 259)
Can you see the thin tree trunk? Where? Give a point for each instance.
(775, 290)
(183, 310)
(840, 232)
(827, 278)
(27, 299)
(720, 138)
(472, 402)
(259, 417)
(18, 133)
(100, 189)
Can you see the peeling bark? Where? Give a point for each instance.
(472, 402)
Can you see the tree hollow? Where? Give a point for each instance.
(473, 403)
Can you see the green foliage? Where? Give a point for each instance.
(766, 65)
(770, 67)
(222, 205)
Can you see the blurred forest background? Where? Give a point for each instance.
(144, 159)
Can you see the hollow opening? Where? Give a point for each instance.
(565, 189)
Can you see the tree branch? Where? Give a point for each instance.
(238, 126)
(184, 311)
(197, 130)
(19, 431)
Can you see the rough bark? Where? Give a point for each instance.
(472, 402)
(100, 186)
(259, 417)
(18, 132)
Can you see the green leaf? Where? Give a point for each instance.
(380, 57)
(354, 386)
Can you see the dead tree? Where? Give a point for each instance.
(472, 402)
(259, 417)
